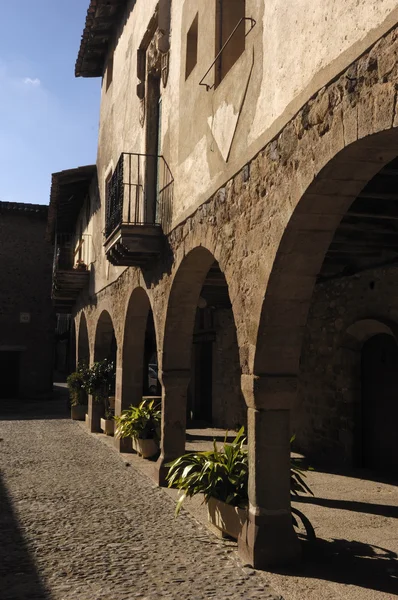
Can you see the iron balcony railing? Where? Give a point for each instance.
(139, 192)
(72, 252)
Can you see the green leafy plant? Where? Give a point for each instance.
(109, 414)
(76, 383)
(299, 486)
(297, 475)
(139, 422)
(221, 474)
(100, 380)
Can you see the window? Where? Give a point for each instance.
(109, 72)
(229, 13)
(192, 48)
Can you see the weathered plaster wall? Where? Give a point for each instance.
(288, 57)
(326, 418)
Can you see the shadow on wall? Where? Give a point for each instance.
(351, 563)
(19, 578)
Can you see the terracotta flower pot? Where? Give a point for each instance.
(229, 519)
(146, 448)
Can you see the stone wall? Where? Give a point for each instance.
(326, 418)
(229, 409)
(269, 228)
(27, 322)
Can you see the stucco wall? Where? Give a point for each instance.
(207, 136)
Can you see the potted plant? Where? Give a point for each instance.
(77, 393)
(107, 422)
(222, 477)
(80, 265)
(141, 423)
(99, 382)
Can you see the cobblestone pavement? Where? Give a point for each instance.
(76, 522)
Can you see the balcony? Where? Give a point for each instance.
(137, 206)
(70, 271)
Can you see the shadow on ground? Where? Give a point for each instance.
(350, 563)
(23, 409)
(354, 473)
(19, 579)
(383, 510)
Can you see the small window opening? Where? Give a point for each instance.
(229, 13)
(109, 72)
(192, 48)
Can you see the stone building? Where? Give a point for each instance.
(240, 229)
(26, 313)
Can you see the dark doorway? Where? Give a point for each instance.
(151, 385)
(380, 403)
(9, 374)
(202, 399)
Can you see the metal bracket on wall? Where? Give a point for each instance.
(252, 24)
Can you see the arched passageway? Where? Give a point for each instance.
(105, 348)
(200, 366)
(83, 346)
(379, 383)
(72, 349)
(138, 375)
(341, 226)
(214, 394)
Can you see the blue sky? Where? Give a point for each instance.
(48, 118)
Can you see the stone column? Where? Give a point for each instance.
(124, 396)
(174, 417)
(96, 410)
(268, 538)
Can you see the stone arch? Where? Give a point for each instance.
(105, 344)
(105, 347)
(362, 330)
(131, 355)
(83, 344)
(199, 290)
(185, 291)
(138, 312)
(303, 245)
(351, 354)
(339, 174)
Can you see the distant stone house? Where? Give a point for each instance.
(26, 311)
(239, 230)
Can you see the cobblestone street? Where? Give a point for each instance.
(76, 522)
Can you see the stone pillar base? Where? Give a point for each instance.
(269, 541)
(160, 471)
(123, 445)
(95, 412)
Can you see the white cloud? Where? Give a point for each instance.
(33, 82)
